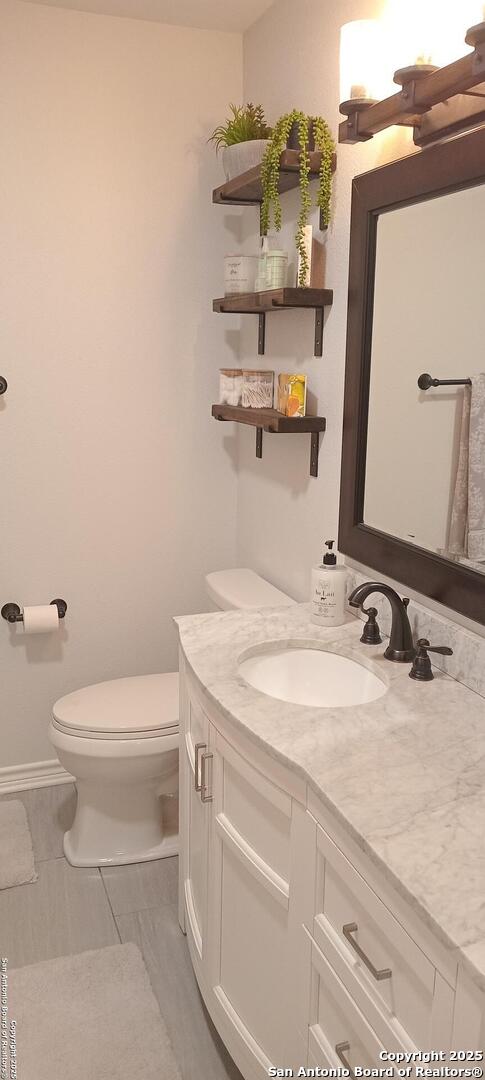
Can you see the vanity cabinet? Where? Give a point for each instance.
(303, 952)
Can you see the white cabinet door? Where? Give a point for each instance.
(250, 974)
(195, 765)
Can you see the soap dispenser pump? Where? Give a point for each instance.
(328, 590)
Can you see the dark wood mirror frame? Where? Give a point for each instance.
(442, 169)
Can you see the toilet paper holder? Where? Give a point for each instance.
(12, 612)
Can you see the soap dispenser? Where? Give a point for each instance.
(328, 590)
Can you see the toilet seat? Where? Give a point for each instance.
(140, 707)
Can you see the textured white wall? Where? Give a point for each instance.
(115, 493)
(291, 60)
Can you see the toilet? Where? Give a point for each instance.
(119, 740)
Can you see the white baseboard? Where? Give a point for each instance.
(34, 775)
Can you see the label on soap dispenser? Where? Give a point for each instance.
(324, 602)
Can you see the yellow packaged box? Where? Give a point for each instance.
(292, 394)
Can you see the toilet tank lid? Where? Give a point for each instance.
(243, 588)
(140, 703)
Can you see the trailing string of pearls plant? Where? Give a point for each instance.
(271, 203)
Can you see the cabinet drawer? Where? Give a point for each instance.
(370, 949)
(339, 1033)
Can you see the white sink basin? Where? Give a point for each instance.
(306, 676)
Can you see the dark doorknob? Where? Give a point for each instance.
(3, 384)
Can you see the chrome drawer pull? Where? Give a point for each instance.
(341, 1050)
(198, 747)
(203, 793)
(382, 973)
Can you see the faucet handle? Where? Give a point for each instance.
(421, 668)
(443, 649)
(371, 634)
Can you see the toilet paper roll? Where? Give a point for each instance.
(41, 619)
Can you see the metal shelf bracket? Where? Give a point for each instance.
(314, 451)
(318, 348)
(261, 332)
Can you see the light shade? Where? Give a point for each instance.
(364, 67)
(429, 32)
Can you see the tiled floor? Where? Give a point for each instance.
(68, 910)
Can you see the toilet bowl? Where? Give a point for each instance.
(119, 740)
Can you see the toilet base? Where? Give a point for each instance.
(166, 848)
(118, 824)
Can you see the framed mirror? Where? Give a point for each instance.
(412, 501)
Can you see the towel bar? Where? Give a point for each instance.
(425, 381)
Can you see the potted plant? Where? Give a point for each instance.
(243, 138)
(304, 133)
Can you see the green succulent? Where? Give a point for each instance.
(246, 123)
(271, 203)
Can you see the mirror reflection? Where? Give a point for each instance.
(425, 467)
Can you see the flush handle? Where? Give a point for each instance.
(341, 1049)
(378, 973)
(204, 794)
(198, 747)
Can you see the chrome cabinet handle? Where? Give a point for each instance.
(378, 973)
(198, 747)
(341, 1050)
(205, 797)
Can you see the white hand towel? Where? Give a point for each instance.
(476, 472)
(467, 525)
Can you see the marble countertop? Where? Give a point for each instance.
(405, 774)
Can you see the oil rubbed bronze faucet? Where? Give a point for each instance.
(400, 646)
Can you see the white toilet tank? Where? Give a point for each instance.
(242, 588)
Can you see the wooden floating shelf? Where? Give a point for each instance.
(245, 189)
(269, 419)
(276, 300)
(275, 423)
(253, 303)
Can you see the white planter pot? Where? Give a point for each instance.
(243, 156)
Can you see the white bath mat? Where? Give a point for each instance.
(16, 855)
(89, 1017)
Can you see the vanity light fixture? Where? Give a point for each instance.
(437, 102)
